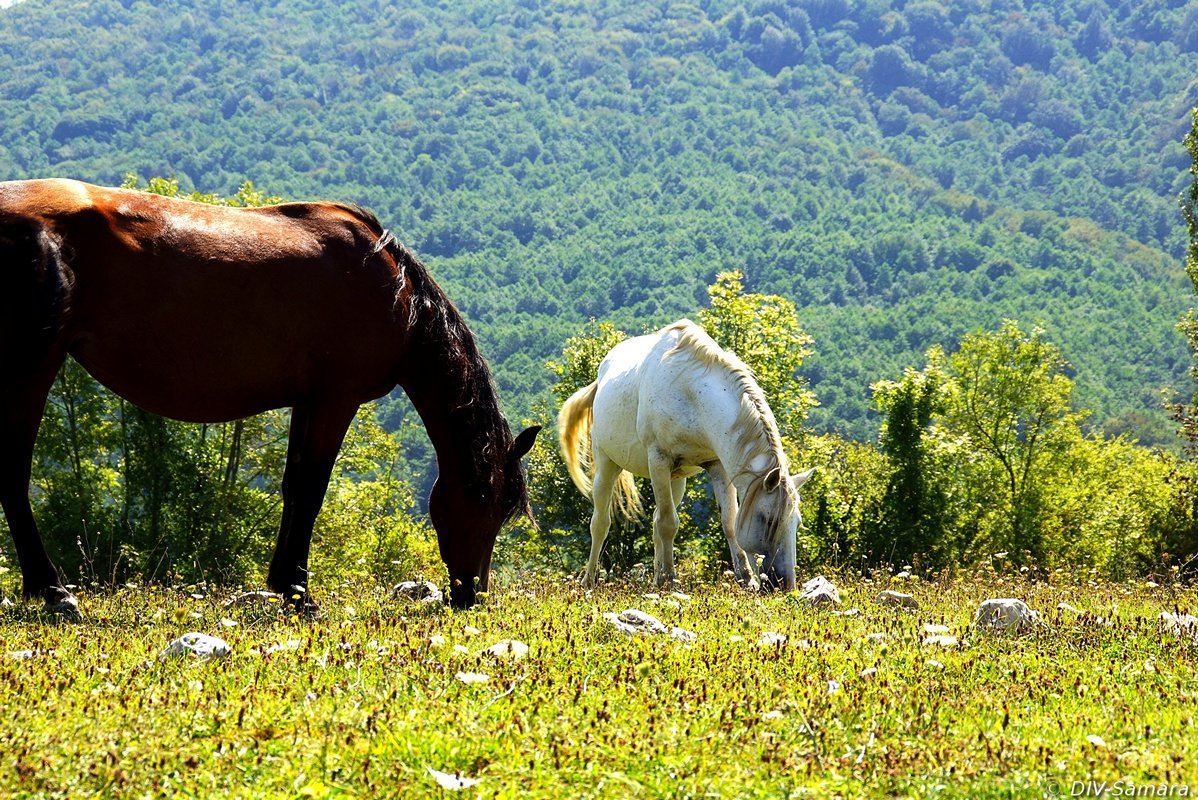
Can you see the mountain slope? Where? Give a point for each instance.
(905, 172)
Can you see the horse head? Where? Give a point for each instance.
(468, 523)
(767, 525)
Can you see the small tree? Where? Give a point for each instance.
(912, 521)
(1012, 405)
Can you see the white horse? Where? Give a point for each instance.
(665, 406)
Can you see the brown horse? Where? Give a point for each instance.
(207, 314)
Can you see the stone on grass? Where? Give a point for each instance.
(420, 591)
(940, 639)
(200, 645)
(889, 597)
(1005, 614)
(1180, 624)
(258, 598)
(472, 677)
(819, 591)
(633, 621)
(451, 782)
(771, 639)
(513, 649)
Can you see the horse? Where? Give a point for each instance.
(666, 406)
(207, 313)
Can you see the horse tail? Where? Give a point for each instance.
(574, 423)
(35, 295)
(574, 435)
(627, 497)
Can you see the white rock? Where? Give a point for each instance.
(683, 634)
(1180, 624)
(943, 640)
(633, 621)
(820, 591)
(422, 591)
(507, 648)
(1005, 614)
(197, 644)
(451, 782)
(472, 677)
(889, 597)
(771, 639)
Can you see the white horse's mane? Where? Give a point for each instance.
(755, 421)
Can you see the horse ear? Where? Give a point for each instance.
(801, 478)
(773, 479)
(523, 443)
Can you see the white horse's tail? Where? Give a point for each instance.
(574, 434)
(574, 423)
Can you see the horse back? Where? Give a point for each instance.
(204, 312)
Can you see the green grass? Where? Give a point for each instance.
(365, 700)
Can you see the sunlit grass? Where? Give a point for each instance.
(378, 695)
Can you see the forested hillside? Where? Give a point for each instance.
(903, 172)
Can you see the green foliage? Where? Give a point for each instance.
(1012, 405)
(903, 173)
(366, 701)
(911, 524)
(370, 527)
(986, 455)
(763, 330)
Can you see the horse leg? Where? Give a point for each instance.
(725, 497)
(315, 439)
(22, 403)
(665, 515)
(603, 487)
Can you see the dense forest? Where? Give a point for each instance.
(903, 172)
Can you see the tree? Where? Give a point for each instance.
(913, 522)
(763, 330)
(1186, 414)
(1012, 404)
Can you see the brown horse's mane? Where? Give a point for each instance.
(437, 326)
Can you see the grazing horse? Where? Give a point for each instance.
(209, 314)
(666, 406)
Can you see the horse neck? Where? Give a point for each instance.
(452, 390)
(754, 446)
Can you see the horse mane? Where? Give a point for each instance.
(755, 419)
(435, 324)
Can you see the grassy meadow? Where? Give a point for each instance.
(378, 696)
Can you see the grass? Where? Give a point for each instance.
(375, 694)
